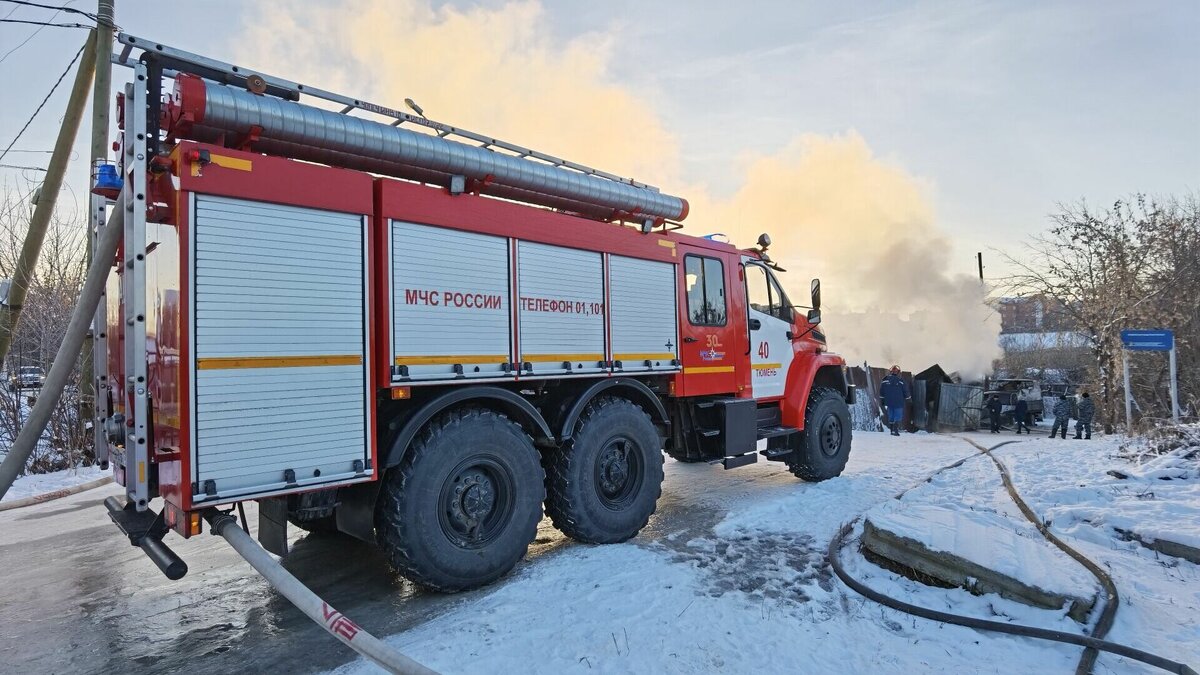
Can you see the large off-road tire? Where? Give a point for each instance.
(824, 447)
(602, 486)
(313, 511)
(464, 504)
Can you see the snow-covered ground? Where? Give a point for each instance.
(41, 483)
(1068, 484)
(750, 590)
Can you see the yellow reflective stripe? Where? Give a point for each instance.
(766, 366)
(661, 356)
(235, 163)
(444, 359)
(234, 362)
(700, 370)
(562, 357)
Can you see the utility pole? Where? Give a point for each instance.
(10, 311)
(979, 258)
(101, 94)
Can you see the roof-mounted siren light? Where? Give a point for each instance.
(764, 242)
(105, 180)
(412, 105)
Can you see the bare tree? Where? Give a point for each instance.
(48, 306)
(1133, 265)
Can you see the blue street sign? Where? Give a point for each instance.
(1148, 340)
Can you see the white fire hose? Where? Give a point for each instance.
(333, 621)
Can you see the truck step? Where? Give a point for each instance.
(146, 530)
(775, 432)
(769, 416)
(739, 460)
(708, 432)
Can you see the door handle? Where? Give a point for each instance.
(755, 324)
(689, 339)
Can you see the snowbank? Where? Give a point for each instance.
(1160, 498)
(41, 483)
(1067, 483)
(988, 540)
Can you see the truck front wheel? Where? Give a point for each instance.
(824, 444)
(464, 504)
(603, 485)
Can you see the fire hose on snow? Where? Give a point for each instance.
(1092, 644)
(333, 621)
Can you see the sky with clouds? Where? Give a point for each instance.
(999, 110)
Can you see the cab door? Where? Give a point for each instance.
(709, 332)
(769, 325)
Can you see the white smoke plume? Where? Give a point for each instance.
(833, 210)
(867, 229)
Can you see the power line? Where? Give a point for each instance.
(43, 103)
(45, 23)
(31, 35)
(23, 168)
(69, 10)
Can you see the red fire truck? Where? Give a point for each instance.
(376, 324)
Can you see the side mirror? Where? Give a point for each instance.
(815, 290)
(814, 316)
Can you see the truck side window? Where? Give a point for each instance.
(705, 290)
(765, 294)
(780, 307)
(758, 289)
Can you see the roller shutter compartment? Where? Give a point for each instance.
(279, 348)
(451, 317)
(561, 309)
(643, 314)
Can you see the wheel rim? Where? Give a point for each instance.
(476, 502)
(619, 473)
(831, 436)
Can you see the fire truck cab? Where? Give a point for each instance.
(419, 342)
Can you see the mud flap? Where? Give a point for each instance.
(355, 514)
(272, 525)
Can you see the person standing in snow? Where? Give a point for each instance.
(1087, 410)
(1021, 415)
(892, 394)
(993, 408)
(1062, 416)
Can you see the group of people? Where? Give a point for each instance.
(894, 393)
(1063, 411)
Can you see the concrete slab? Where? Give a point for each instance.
(1163, 545)
(981, 553)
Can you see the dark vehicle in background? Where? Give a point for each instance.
(27, 377)
(1009, 391)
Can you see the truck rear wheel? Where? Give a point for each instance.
(825, 441)
(603, 485)
(464, 504)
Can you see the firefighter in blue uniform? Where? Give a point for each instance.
(893, 393)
